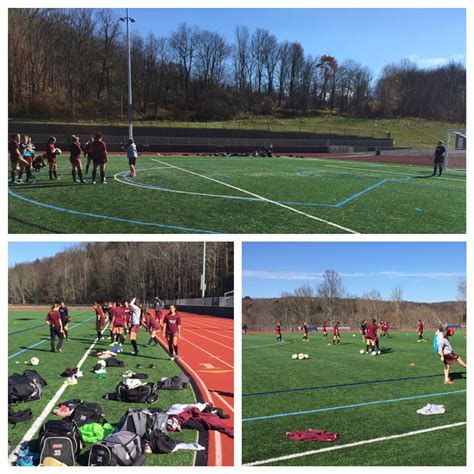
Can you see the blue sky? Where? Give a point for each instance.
(426, 272)
(19, 252)
(373, 37)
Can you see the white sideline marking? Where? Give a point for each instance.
(47, 409)
(284, 206)
(350, 445)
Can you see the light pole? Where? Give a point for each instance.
(203, 274)
(128, 20)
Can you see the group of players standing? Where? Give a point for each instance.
(124, 318)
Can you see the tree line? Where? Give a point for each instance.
(71, 63)
(113, 271)
(331, 303)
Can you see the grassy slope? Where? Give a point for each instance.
(442, 201)
(406, 131)
(90, 387)
(271, 368)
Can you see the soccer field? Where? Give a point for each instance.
(29, 336)
(191, 194)
(364, 399)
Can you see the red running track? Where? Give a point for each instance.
(206, 352)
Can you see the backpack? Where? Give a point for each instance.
(160, 443)
(114, 363)
(85, 413)
(178, 382)
(26, 387)
(61, 440)
(146, 393)
(142, 421)
(118, 449)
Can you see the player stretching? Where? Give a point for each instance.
(336, 335)
(448, 357)
(278, 332)
(420, 331)
(438, 158)
(99, 155)
(171, 330)
(305, 332)
(53, 320)
(65, 319)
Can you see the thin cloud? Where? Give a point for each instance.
(429, 63)
(308, 276)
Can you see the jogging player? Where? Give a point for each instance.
(65, 319)
(438, 158)
(53, 320)
(372, 340)
(153, 327)
(171, 330)
(336, 335)
(448, 356)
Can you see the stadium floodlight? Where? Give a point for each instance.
(127, 19)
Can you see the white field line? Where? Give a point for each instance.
(362, 169)
(212, 340)
(350, 445)
(47, 409)
(220, 335)
(284, 206)
(208, 353)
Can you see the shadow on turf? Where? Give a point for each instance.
(35, 226)
(458, 375)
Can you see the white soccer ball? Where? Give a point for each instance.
(294, 356)
(34, 361)
(300, 356)
(306, 356)
(379, 352)
(362, 351)
(374, 353)
(353, 335)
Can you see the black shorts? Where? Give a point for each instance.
(132, 161)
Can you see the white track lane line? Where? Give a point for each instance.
(209, 339)
(208, 353)
(358, 443)
(279, 204)
(47, 409)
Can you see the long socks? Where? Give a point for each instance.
(50, 175)
(134, 345)
(102, 174)
(175, 347)
(170, 348)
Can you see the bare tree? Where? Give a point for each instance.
(330, 292)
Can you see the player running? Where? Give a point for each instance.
(420, 331)
(75, 159)
(438, 158)
(171, 330)
(99, 321)
(65, 319)
(99, 155)
(336, 335)
(305, 332)
(448, 356)
(278, 332)
(53, 320)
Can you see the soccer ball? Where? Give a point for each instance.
(379, 352)
(362, 351)
(294, 356)
(300, 356)
(306, 356)
(58, 151)
(353, 335)
(34, 361)
(374, 353)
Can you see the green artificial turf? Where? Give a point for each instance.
(90, 388)
(370, 198)
(268, 367)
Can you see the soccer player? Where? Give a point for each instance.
(244, 329)
(438, 158)
(153, 327)
(52, 156)
(16, 159)
(112, 309)
(171, 330)
(27, 150)
(88, 152)
(65, 319)
(420, 331)
(278, 332)
(325, 329)
(128, 315)
(363, 329)
(99, 321)
(132, 156)
(99, 155)
(118, 322)
(158, 307)
(372, 340)
(448, 356)
(75, 159)
(305, 332)
(135, 322)
(53, 320)
(336, 335)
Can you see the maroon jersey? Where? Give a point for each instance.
(112, 313)
(99, 151)
(335, 330)
(100, 314)
(278, 329)
(50, 151)
(14, 150)
(75, 150)
(153, 322)
(305, 328)
(371, 331)
(119, 316)
(88, 150)
(128, 313)
(420, 326)
(54, 318)
(172, 323)
(325, 327)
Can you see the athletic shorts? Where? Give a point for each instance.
(170, 335)
(99, 325)
(99, 161)
(438, 161)
(135, 328)
(132, 161)
(450, 358)
(52, 160)
(75, 160)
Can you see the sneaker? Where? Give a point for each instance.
(448, 382)
(146, 345)
(152, 366)
(102, 370)
(104, 182)
(127, 373)
(59, 349)
(177, 357)
(139, 366)
(71, 380)
(147, 449)
(79, 373)
(171, 358)
(57, 179)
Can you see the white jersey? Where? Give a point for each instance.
(132, 151)
(136, 312)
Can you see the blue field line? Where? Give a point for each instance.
(364, 191)
(118, 219)
(12, 356)
(356, 405)
(353, 384)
